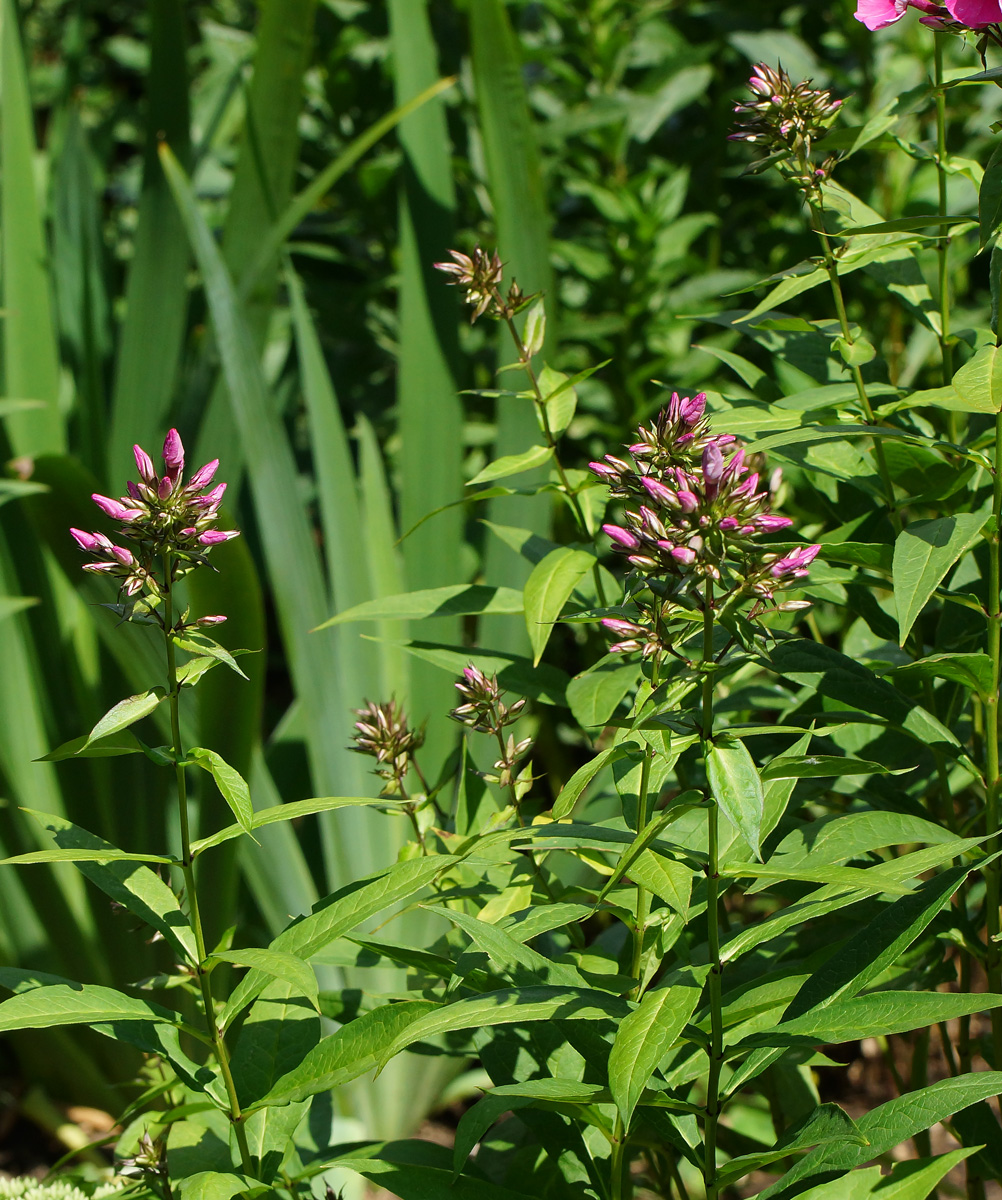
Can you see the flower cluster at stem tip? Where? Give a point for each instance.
(694, 508)
(485, 711)
(954, 16)
(169, 523)
(480, 275)
(383, 733)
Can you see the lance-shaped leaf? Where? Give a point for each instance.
(288, 967)
(737, 788)
(885, 1127)
(292, 812)
(824, 766)
(77, 1004)
(138, 889)
(354, 1050)
(824, 1126)
(923, 554)
(572, 790)
(876, 1015)
(459, 599)
(232, 785)
(644, 1038)
(339, 914)
(476, 1121)
(125, 713)
(547, 590)
(512, 1006)
(513, 464)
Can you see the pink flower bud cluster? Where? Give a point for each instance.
(781, 114)
(161, 515)
(485, 711)
(694, 523)
(677, 438)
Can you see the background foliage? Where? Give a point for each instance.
(343, 389)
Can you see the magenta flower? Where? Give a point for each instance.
(795, 564)
(975, 14)
(622, 536)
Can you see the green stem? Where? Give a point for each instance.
(525, 359)
(994, 950)
(831, 266)
(643, 896)
(188, 870)
(716, 1051)
(622, 1188)
(943, 243)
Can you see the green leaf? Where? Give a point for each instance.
(478, 1119)
(885, 1127)
(287, 967)
(110, 855)
(293, 811)
(125, 713)
(976, 387)
(972, 671)
(824, 1125)
(990, 198)
(523, 964)
(572, 790)
(511, 1006)
(77, 1004)
(923, 554)
(513, 464)
(547, 591)
(231, 784)
(411, 1180)
(875, 1015)
(459, 599)
(849, 876)
(281, 1028)
(559, 398)
(818, 766)
(737, 788)
(666, 878)
(534, 332)
(595, 694)
(138, 889)
(851, 683)
(644, 1038)
(340, 913)
(81, 747)
(354, 1050)
(217, 1185)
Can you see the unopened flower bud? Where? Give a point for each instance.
(144, 464)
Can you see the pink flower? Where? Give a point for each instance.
(114, 508)
(212, 537)
(973, 13)
(86, 541)
(623, 628)
(203, 476)
(771, 521)
(684, 555)
(603, 471)
(657, 490)
(878, 14)
(173, 455)
(622, 536)
(144, 464)
(210, 620)
(795, 563)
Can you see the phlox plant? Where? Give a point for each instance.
(781, 832)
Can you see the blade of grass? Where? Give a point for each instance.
(515, 184)
(262, 185)
(78, 277)
(156, 296)
(31, 355)
(430, 413)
